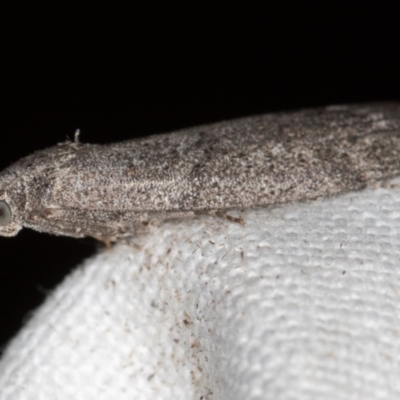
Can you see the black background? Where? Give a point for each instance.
(117, 70)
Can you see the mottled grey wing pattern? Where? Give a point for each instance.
(107, 191)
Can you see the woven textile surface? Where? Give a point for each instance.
(301, 302)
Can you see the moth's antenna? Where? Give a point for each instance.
(76, 136)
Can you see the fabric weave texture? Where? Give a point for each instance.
(302, 302)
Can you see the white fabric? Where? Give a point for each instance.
(303, 302)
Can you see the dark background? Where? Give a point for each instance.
(120, 71)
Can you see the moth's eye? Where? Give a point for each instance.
(5, 213)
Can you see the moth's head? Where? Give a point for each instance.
(8, 224)
(14, 196)
(24, 186)
(12, 201)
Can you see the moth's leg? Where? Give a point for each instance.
(391, 183)
(108, 244)
(225, 215)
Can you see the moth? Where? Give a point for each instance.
(109, 191)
